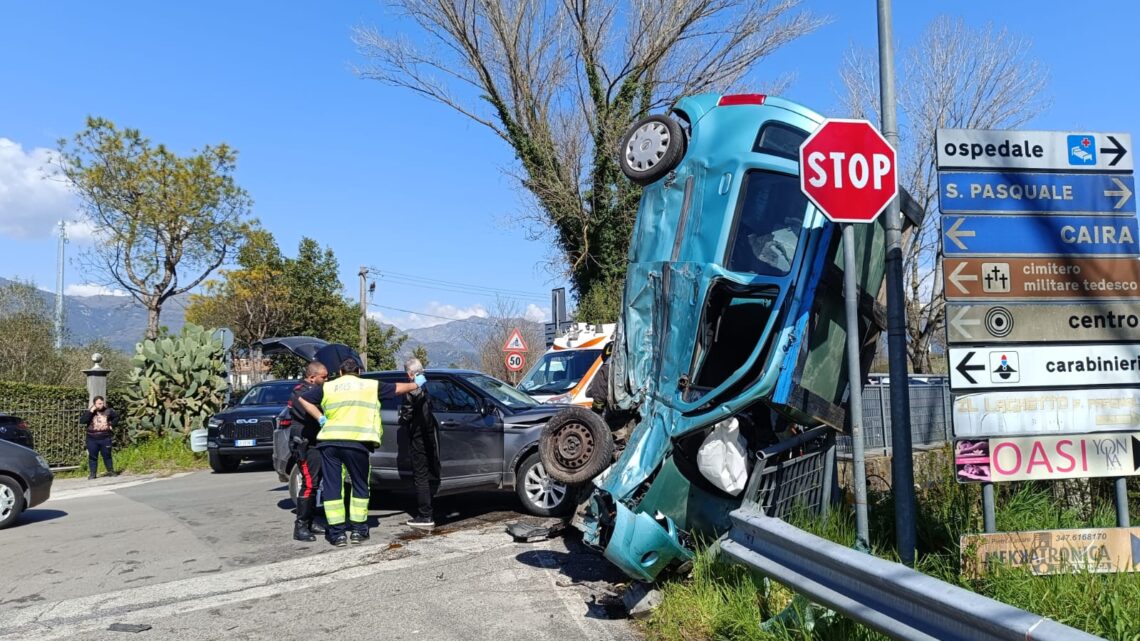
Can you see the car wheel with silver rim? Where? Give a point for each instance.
(11, 501)
(541, 495)
(651, 148)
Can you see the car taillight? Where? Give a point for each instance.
(21, 425)
(282, 423)
(741, 99)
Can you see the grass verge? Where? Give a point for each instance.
(721, 602)
(152, 456)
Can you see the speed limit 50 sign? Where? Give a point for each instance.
(515, 361)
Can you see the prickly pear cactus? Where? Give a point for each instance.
(176, 385)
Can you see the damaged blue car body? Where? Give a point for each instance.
(733, 309)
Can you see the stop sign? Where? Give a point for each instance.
(847, 169)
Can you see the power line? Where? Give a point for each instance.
(461, 290)
(471, 319)
(424, 281)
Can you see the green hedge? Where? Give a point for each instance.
(52, 414)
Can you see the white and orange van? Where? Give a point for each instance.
(564, 372)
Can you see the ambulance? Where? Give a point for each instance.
(565, 371)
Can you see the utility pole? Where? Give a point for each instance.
(902, 463)
(59, 286)
(364, 317)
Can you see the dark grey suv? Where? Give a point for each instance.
(488, 439)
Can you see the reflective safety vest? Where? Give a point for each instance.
(352, 410)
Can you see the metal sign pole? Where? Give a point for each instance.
(988, 518)
(855, 388)
(1122, 519)
(902, 465)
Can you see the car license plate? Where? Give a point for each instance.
(246, 442)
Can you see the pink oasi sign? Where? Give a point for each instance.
(1034, 458)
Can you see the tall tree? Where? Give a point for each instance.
(253, 299)
(163, 222)
(559, 81)
(954, 76)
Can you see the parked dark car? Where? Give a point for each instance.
(25, 481)
(488, 440)
(244, 431)
(14, 429)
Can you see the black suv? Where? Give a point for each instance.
(244, 430)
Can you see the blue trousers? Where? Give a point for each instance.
(337, 463)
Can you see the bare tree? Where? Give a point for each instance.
(954, 77)
(561, 80)
(163, 222)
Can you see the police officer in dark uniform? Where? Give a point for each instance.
(302, 443)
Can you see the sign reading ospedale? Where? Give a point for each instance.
(1053, 150)
(1046, 412)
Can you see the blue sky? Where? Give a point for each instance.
(385, 178)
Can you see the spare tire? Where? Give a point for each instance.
(575, 446)
(651, 148)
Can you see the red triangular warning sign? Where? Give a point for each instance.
(515, 343)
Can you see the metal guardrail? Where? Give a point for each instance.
(889, 597)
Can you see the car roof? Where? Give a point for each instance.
(431, 370)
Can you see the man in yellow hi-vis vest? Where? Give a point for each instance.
(348, 410)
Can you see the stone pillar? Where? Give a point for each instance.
(96, 378)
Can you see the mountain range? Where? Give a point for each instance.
(121, 322)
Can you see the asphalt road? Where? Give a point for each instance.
(209, 556)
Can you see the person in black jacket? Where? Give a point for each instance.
(302, 443)
(100, 422)
(417, 418)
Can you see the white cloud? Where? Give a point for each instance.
(33, 196)
(91, 289)
(435, 314)
(536, 314)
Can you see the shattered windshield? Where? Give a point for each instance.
(559, 372)
(769, 217)
(500, 391)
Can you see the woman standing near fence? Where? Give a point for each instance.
(100, 421)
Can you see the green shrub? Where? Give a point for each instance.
(177, 384)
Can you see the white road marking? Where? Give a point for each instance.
(71, 617)
(109, 488)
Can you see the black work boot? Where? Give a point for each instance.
(301, 532)
(316, 528)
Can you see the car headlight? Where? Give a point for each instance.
(43, 462)
(214, 422)
(558, 400)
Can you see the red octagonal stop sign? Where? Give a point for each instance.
(847, 169)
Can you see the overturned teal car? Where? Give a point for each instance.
(728, 376)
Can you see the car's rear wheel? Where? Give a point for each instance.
(223, 464)
(295, 483)
(11, 501)
(540, 494)
(575, 446)
(651, 148)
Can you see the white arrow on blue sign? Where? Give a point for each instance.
(965, 192)
(1040, 235)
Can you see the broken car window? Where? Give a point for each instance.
(769, 216)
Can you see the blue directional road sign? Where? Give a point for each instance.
(1040, 235)
(968, 192)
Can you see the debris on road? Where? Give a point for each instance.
(641, 600)
(531, 531)
(129, 627)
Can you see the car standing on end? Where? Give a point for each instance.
(244, 431)
(25, 481)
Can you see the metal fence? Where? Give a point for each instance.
(930, 413)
